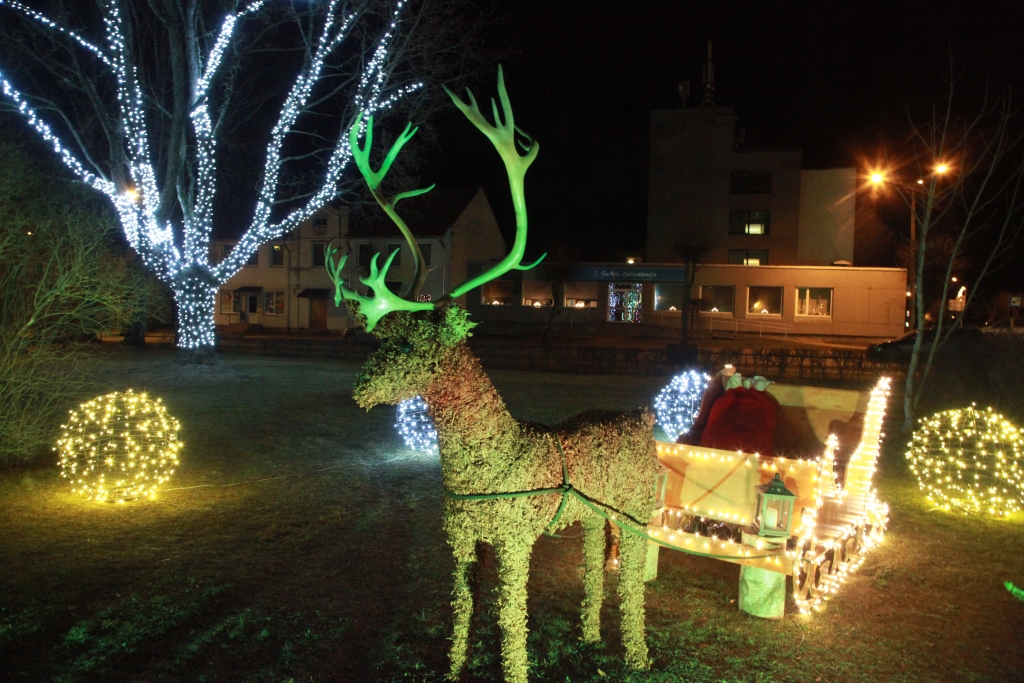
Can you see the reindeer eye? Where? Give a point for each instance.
(404, 346)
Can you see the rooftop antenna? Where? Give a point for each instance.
(709, 81)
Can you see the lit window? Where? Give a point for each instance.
(276, 255)
(814, 301)
(749, 222)
(496, 293)
(764, 300)
(273, 303)
(748, 257)
(625, 302)
(717, 298)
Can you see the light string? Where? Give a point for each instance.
(189, 272)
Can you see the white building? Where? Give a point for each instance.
(285, 285)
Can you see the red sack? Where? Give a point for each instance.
(742, 420)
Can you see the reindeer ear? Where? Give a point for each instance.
(456, 326)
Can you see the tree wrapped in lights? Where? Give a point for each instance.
(678, 404)
(416, 426)
(119, 447)
(146, 99)
(969, 460)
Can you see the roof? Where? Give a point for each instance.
(429, 215)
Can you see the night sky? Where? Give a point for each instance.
(835, 78)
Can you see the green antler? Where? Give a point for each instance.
(503, 136)
(384, 300)
(361, 155)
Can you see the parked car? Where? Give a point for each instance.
(1006, 326)
(898, 350)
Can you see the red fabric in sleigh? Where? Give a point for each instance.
(742, 420)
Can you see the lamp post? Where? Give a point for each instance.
(878, 179)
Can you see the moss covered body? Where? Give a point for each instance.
(609, 457)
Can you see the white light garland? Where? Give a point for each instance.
(678, 404)
(119, 447)
(187, 270)
(416, 426)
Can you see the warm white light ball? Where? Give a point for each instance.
(678, 404)
(970, 460)
(119, 447)
(416, 426)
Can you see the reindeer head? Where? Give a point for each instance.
(418, 334)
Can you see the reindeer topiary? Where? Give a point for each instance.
(506, 481)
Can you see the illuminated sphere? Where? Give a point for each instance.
(416, 426)
(119, 447)
(969, 460)
(678, 404)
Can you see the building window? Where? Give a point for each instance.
(254, 259)
(581, 294)
(749, 222)
(814, 301)
(425, 250)
(320, 221)
(670, 296)
(764, 300)
(748, 257)
(392, 248)
(496, 293)
(227, 249)
(625, 302)
(750, 182)
(273, 303)
(717, 298)
(319, 258)
(227, 302)
(537, 294)
(365, 255)
(276, 255)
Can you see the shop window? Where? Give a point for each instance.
(717, 298)
(750, 182)
(750, 222)
(670, 296)
(537, 294)
(227, 302)
(814, 301)
(273, 303)
(496, 293)
(764, 300)
(276, 255)
(319, 257)
(748, 257)
(581, 294)
(625, 302)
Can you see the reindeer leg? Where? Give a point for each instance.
(593, 577)
(464, 548)
(631, 599)
(513, 572)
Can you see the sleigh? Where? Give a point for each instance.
(719, 503)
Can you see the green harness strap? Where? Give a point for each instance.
(566, 490)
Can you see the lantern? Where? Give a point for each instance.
(773, 512)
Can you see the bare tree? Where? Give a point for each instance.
(141, 100)
(969, 199)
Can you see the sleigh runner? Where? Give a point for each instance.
(714, 502)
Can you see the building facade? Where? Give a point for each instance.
(285, 286)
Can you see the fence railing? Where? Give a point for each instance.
(800, 363)
(749, 325)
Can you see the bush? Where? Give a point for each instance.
(61, 281)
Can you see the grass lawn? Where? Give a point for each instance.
(304, 543)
